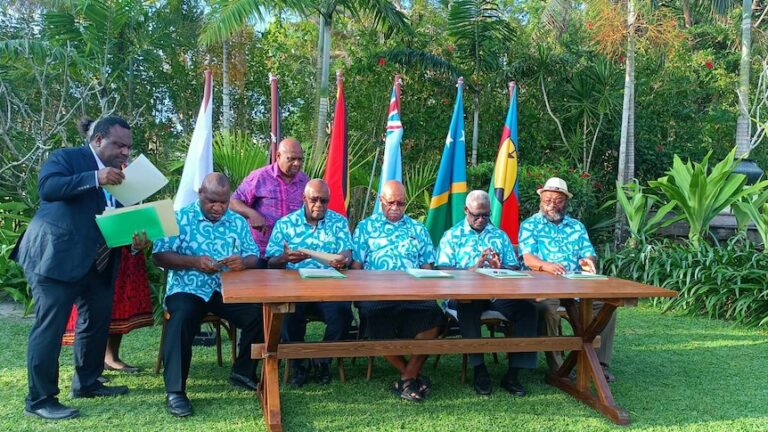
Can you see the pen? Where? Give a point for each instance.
(234, 245)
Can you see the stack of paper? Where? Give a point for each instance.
(321, 274)
(156, 219)
(584, 276)
(502, 273)
(422, 273)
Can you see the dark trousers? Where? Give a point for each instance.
(186, 311)
(53, 303)
(521, 314)
(337, 317)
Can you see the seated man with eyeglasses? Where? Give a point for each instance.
(315, 228)
(553, 242)
(475, 243)
(391, 240)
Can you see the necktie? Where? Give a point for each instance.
(102, 257)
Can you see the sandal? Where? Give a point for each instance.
(425, 385)
(408, 389)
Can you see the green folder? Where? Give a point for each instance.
(502, 273)
(156, 219)
(321, 274)
(424, 273)
(584, 276)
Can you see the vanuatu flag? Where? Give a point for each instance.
(337, 164)
(505, 202)
(447, 205)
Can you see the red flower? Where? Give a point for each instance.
(585, 175)
(590, 25)
(621, 59)
(446, 101)
(382, 61)
(709, 64)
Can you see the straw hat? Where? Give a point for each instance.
(555, 184)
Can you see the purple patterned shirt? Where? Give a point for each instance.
(265, 191)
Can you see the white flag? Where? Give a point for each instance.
(199, 162)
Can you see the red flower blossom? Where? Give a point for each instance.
(590, 26)
(382, 61)
(709, 64)
(621, 59)
(585, 175)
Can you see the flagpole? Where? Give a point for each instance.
(275, 118)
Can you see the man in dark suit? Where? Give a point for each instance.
(66, 262)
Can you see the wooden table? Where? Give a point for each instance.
(278, 290)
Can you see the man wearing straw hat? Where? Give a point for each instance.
(553, 242)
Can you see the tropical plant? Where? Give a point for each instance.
(230, 15)
(481, 34)
(14, 217)
(756, 210)
(725, 281)
(236, 154)
(701, 197)
(638, 209)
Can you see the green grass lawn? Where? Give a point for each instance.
(675, 373)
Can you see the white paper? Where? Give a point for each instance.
(425, 273)
(142, 179)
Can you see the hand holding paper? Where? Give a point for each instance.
(139, 181)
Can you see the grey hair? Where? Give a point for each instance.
(477, 196)
(317, 181)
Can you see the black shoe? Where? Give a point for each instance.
(102, 391)
(322, 373)
(242, 381)
(481, 380)
(178, 404)
(298, 376)
(53, 411)
(513, 386)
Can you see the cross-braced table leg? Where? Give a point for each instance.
(588, 368)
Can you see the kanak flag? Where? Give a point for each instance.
(505, 200)
(199, 162)
(337, 164)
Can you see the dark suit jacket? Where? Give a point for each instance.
(62, 239)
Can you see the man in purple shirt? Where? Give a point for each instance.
(271, 192)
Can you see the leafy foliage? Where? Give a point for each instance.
(14, 218)
(728, 281)
(637, 207)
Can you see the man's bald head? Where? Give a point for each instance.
(316, 197)
(214, 196)
(392, 200)
(290, 157)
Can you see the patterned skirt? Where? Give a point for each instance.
(131, 305)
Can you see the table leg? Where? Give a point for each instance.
(269, 387)
(588, 368)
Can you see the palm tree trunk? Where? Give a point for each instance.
(324, 56)
(226, 100)
(685, 5)
(743, 134)
(475, 125)
(626, 168)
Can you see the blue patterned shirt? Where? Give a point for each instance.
(198, 236)
(461, 246)
(383, 245)
(565, 243)
(331, 235)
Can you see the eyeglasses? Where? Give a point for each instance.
(477, 216)
(558, 202)
(393, 203)
(315, 200)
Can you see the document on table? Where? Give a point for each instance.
(156, 218)
(423, 273)
(502, 273)
(584, 276)
(322, 257)
(321, 274)
(142, 179)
